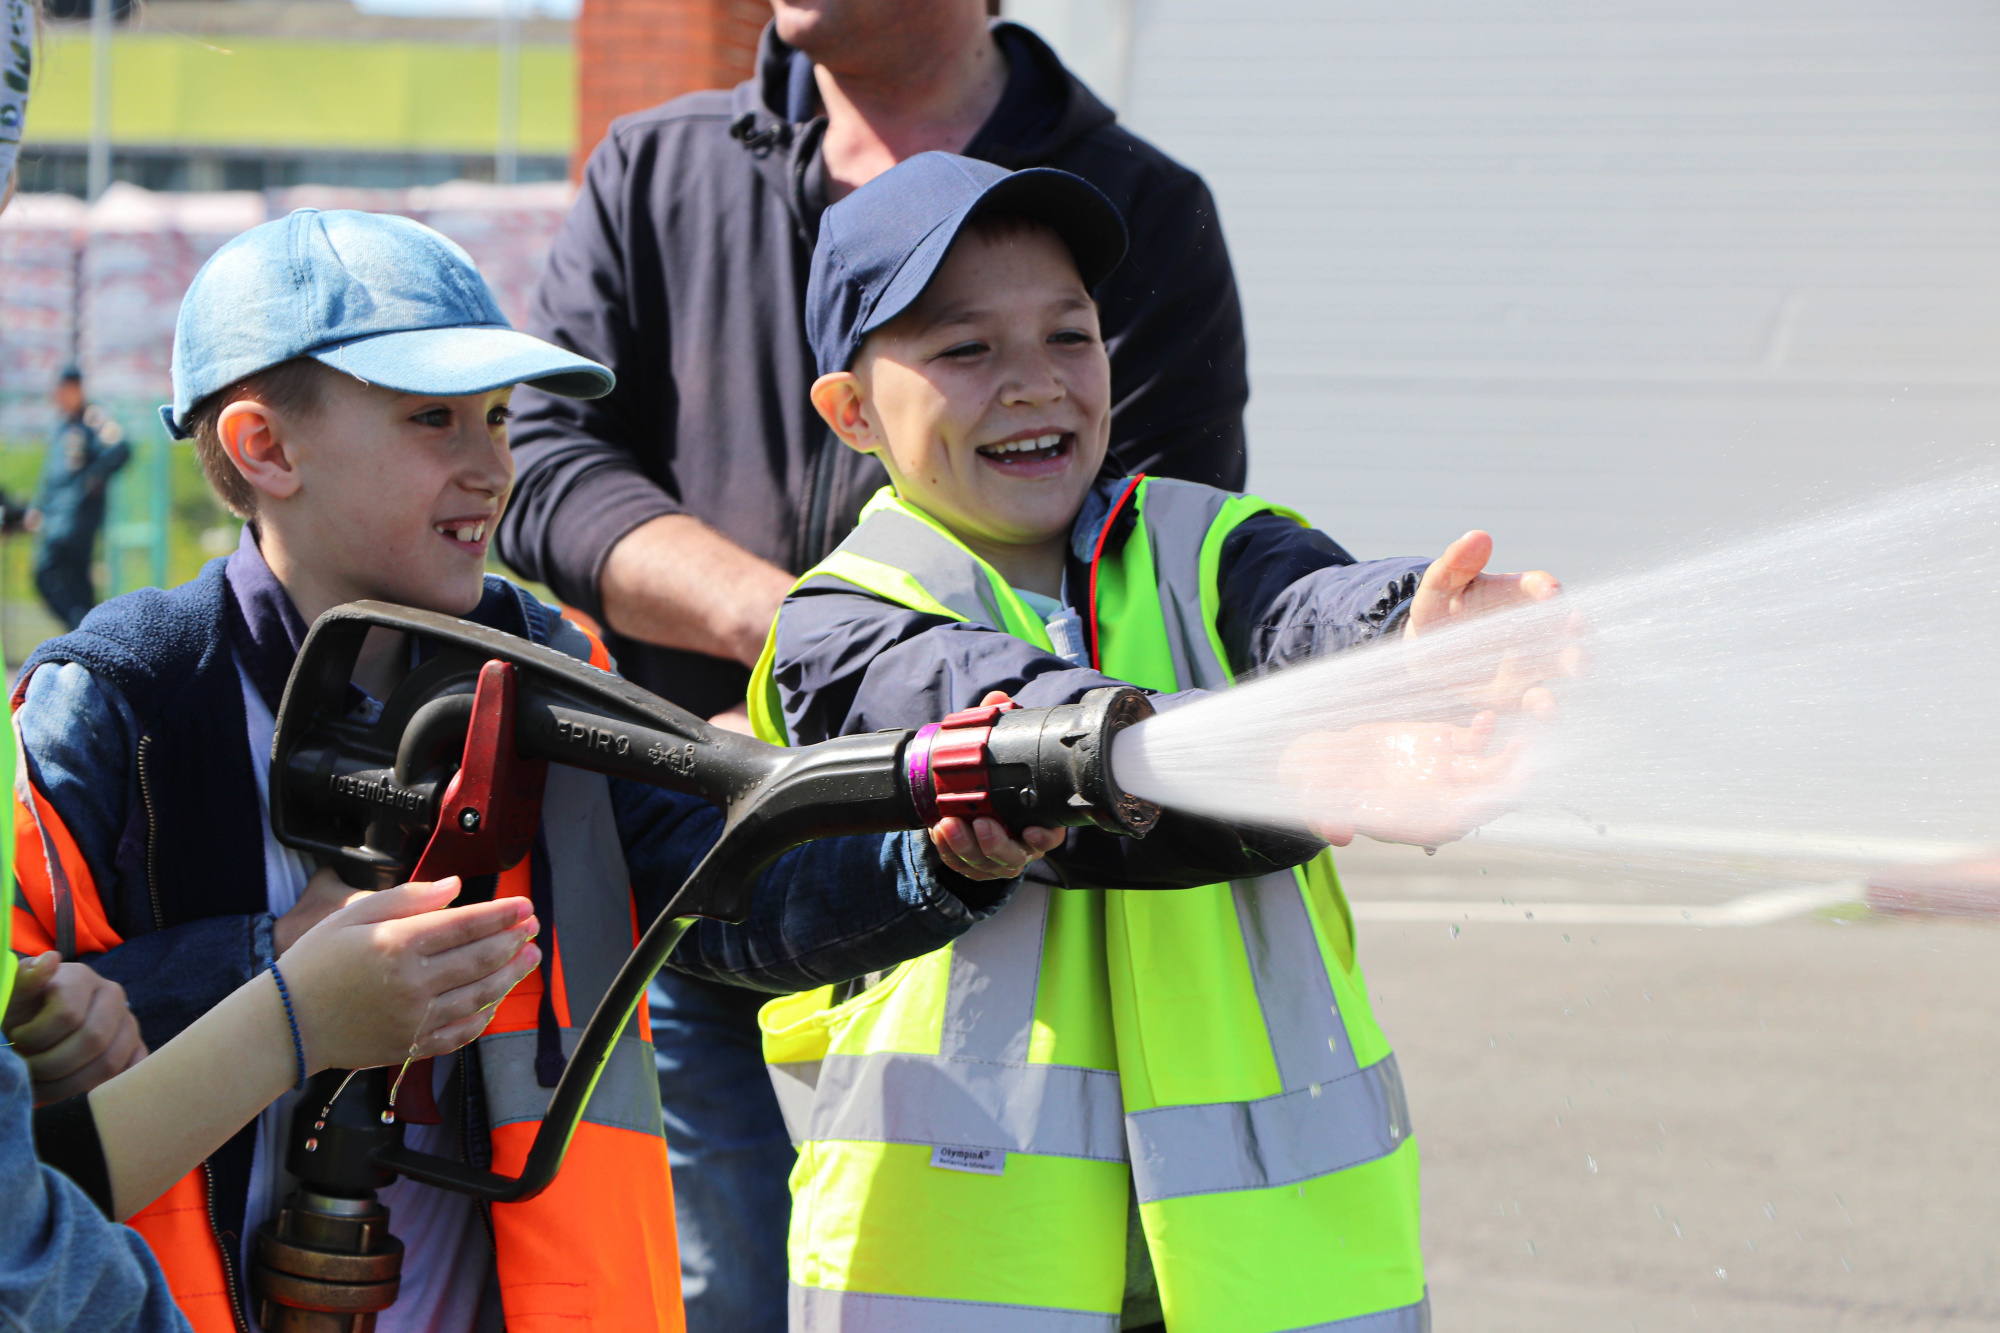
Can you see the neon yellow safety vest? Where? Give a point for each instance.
(972, 1129)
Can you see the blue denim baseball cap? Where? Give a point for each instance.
(382, 298)
(880, 246)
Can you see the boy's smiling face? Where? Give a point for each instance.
(988, 400)
(376, 493)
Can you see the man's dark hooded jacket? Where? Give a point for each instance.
(683, 268)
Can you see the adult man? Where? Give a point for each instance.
(679, 508)
(86, 448)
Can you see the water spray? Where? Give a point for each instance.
(1820, 696)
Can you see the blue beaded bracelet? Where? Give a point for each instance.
(298, 1046)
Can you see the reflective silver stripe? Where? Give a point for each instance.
(795, 1084)
(895, 1097)
(627, 1095)
(989, 1007)
(1308, 1040)
(1407, 1319)
(590, 885)
(944, 570)
(822, 1310)
(1281, 1140)
(1178, 515)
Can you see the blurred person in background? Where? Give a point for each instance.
(679, 509)
(86, 448)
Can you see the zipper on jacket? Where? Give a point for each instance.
(152, 836)
(229, 1282)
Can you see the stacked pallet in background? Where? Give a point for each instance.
(102, 284)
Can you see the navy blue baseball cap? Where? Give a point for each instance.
(879, 247)
(382, 298)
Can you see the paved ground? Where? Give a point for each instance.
(1787, 1126)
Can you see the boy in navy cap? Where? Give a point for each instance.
(1147, 1106)
(345, 378)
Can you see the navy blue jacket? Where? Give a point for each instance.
(683, 268)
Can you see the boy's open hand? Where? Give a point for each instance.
(398, 973)
(70, 1025)
(1423, 783)
(1456, 588)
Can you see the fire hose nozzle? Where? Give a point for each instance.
(1022, 766)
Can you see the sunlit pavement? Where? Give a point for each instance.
(1788, 1126)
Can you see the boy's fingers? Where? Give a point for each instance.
(995, 697)
(438, 933)
(31, 978)
(468, 963)
(82, 1044)
(1446, 579)
(1042, 840)
(485, 990)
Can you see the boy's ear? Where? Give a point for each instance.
(253, 435)
(841, 400)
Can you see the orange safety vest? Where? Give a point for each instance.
(596, 1251)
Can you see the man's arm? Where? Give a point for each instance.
(586, 519)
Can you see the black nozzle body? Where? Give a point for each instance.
(1046, 766)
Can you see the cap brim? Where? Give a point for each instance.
(456, 361)
(1072, 207)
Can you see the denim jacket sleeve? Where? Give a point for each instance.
(63, 1267)
(828, 911)
(78, 737)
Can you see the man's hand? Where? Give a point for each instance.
(325, 893)
(734, 719)
(679, 583)
(70, 1025)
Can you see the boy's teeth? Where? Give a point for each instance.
(1033, 445)
(468, 532)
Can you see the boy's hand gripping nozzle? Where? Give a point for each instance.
(448, 779)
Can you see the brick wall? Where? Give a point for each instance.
(632, 54)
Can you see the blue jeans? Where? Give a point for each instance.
(730, 1155)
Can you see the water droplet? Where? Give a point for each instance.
(1493, 1041)
(1658, 1213)
(1454, 932)
(388, 1117)
(1590, 1163)
(1565, 937)
(1722, 1273)
(1648, 994)
(312, 1145)
(1677, 1229)
(1395, 1130)
(1849, 1267)
(1531, 1247)
(1771, 1212)
(1315, 1089)
(1482, 870)
(319, 1124)
(1430, 851)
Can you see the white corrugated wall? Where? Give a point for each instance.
(1602, 277)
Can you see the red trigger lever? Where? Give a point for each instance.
(487, 819)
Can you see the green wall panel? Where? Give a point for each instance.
(262, 93)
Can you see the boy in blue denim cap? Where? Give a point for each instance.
(345, 377)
